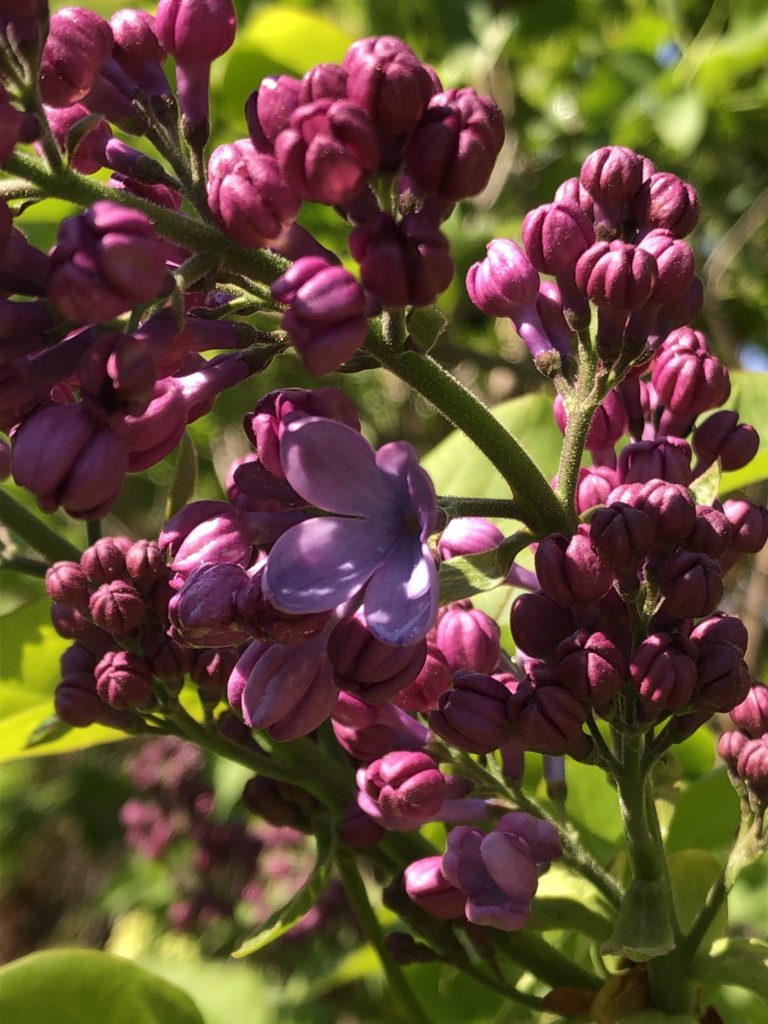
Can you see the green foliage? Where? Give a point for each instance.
(82, 986)
(748, 398)
(693, 873)
(741, 962)
(695, 825)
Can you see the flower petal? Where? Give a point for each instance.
(401, 599)
(334, 468)
(399, 461)
(323, 562)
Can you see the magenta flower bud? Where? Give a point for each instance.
(572, 191)
(751, 715)
(609, 422)
(117, 375)
(730, 745)
(371, 670)
(195, 33)
(359, 830)
(454, 146)
(368, 732)
(712, 533)
(681, 312)
(210, 671)
(549, 306)
(749, 523)
(67, 584)
(505, 283)
(612, 176)
(69, 622)
(674, 263)
(138, 51)
(268, 109)
(145, 564)
(472, 715)
(106, 260)
(327, 318)
(721, 436)
(595, 484)
(104, 560)
(666, 201)
(162, 195)
(721, 628)
(689, 383)
(539, 624)
(388, 81)
(402, 264)
(616, 275)
(691, 583)
(429, 889)
(117, 608)
(22, 20)
(249, 195)
(78, 43)
(404, 785)
(264, 622)
(670, 505)
(666, 458)
(288, 690)
(622, 535)
(206, 532)
(204, 611)
(723, 678)
(88, 155)
(167, 659)
(546, 718)
(570, 571)
(752, 767)
(64, 457)
(663, 671)
(468, 535)
(555, 236)
(123, 681)
(76, 701)
(433, 679)
(468, 638)
(327, 151)
(592, 667)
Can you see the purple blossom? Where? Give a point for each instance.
(384, 511)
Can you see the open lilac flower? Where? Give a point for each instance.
(384, 510)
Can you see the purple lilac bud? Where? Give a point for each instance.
(78, 43)
(138, 51)
(268, 109)
(752, 767)
(468, 536)
(723, 678)
(674, 263)
(721, 628)
(595, 484)
(666, 201)
(205, 532)
(159, 194)
(592, 667)
(67, 584)
(670, 505)
(204, 611)
(145, 564)
(249, 195)
(69, 622)
(359, 830)
(612, 176)
(617, 275)
(210, 671)
(721, 436)
(468, 638)
(368, 668)
(402, 264)
(555, 237)
(429, 889)
(117, 374)
(751, 715)
(327, 319)
(549, 306)
(195, 33)
(106, 260)
(689, 382)
(666, 458)
(472, 715)
(88, 155)
(117, 608)
(327, 151)
(750, 525)
(104, 560)
(403, 788)
(622, 535)
(453, 148)
(539, 624)
(389, 82)
(545, 717)
(123, 681)
(730, 745)
(570, 571)
(367, 733)
(712, 533)
(264, 622)
(433, 679)
(167, 659)
(663, 671)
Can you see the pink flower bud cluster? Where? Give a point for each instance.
(745, 749)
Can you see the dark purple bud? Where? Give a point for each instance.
(159, 194)
(404, 949)
(468, 536)
(616, 275)
(104, 560)
(123, 681)
(206, 532)
(371, 670)
(145, 564)
(69, 622)
(279, 803)
(549, 306)
(539, 624)
(327, 319)
(117, 375)
(138, 51)
(666, 201)
(78, 43)
(721, 436)
(612, 176)
(723, 678)
(22, 20)
(402, 264)
(86, 139)
(249, 195)
(730, 745)
(64, 457)
(666, 458)
(204, 611)
(117, 608)
(404, 785)
(367, 732)
(594, 486)
(327, 151)
(674, 263)
(752, 766)
(712, 533)
(663, 671)
(210, 671)
(570, 571)
(167, 659)
(545, 717)
(670, 505)
(5, 460)
(264, 622)
(268, 109)
(609, 422)
(389, 82)
(689, 382)
(750, 525)
(433, 679)
(472, 715)
(622, 535)
(454, 146)
(592, 667)
(430, 890)
(468, 638)
(67, 584)
(76, 701)
(106, 260)
(721, 628)
(555, 236)
(751, 715)
(572, 191)
(23, 268)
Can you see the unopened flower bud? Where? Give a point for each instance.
(591, 666)
(721, 436)
(433, 679)
(86, 144)
(666, 201)
(674, 264)
(403, 785)
(612, 176)
(751, 715)
(368, 668)
(206, 532)
(104, 560)
(594, 486)
(539, 624)
(691, 583)
(468, 638)
(723, 678)
(689, 382)
(268, 109)
(78, 43)
(468, 535)
(730, 745)
(167, 659)
(622, 535)
(117, 607)
(67, 584)
(749, 523)
(711, 534)
(472, 715)
(721, 628)
(123, 681)
(367, 732)
(547, 719)
(752, 767)
(429, 889)
(616, 275)
(145, 564)
(389, 82)
(663, 671)
(666, 458)
(204, 611)
(571, 572)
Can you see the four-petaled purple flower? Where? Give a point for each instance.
(374, 544)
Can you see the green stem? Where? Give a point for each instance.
(538, 504)
(715, 899)
(580, 407)
(513, 994)
(39, 536)
(358, 898)
(496, 508)
(544, 961)
(27, 566)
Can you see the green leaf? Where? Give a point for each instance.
(748, 391)
(51, 729)
(681, 122)
(184, 481)
(705, 487)
(285, 918)
(473, 574)
(592, 802)
(693, 873)
(556, 913)
(741, 962)
(706, 815)
(84, 986)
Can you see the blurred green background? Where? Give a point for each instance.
(686, 83)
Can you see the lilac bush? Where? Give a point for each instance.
(322, 611)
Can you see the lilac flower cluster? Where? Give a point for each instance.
(745, 749)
